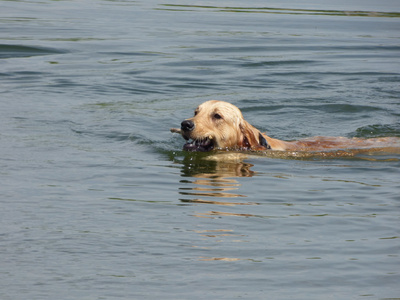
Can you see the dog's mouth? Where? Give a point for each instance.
(202, 145)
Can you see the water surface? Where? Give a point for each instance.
(99, 202)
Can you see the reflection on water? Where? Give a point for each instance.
(213, 178)
(216, 214)
(219, 258)
(216, 166)
(217, 202)
(213, 175)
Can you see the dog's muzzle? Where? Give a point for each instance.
(204, 144)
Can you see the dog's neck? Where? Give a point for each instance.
(278, 144)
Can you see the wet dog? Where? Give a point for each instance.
(220, 125)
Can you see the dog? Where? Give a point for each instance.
(220, 125)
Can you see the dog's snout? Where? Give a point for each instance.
(187, 125)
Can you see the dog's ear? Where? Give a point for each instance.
(263, 142)
(252, 138)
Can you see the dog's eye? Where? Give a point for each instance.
(217, 116)
(196, 112)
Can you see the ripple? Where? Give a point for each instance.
(378, 130)
(12, 51)
(285, 11)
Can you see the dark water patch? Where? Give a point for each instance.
(66, 82)
(145, 90)
(23, 75)
(74, 39)
(193, 85)
(378, 130)
(18, 19)
(344, 108)
(390, 78)
(276, 63)
(111, 136)
(144, 201)
(201, 63)
(235, 49)
(354, 75)
(13, 51)
(134, 72)
(264, 108)
(138, 53)
(331, 50)
(286, 11)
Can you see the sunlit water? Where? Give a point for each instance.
(99, 202)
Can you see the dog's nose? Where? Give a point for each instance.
(187, 125)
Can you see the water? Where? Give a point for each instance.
(99, 202)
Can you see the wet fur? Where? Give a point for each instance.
(223, 123)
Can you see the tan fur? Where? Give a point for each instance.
(223, 123)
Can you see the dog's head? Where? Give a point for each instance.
(220, 125)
